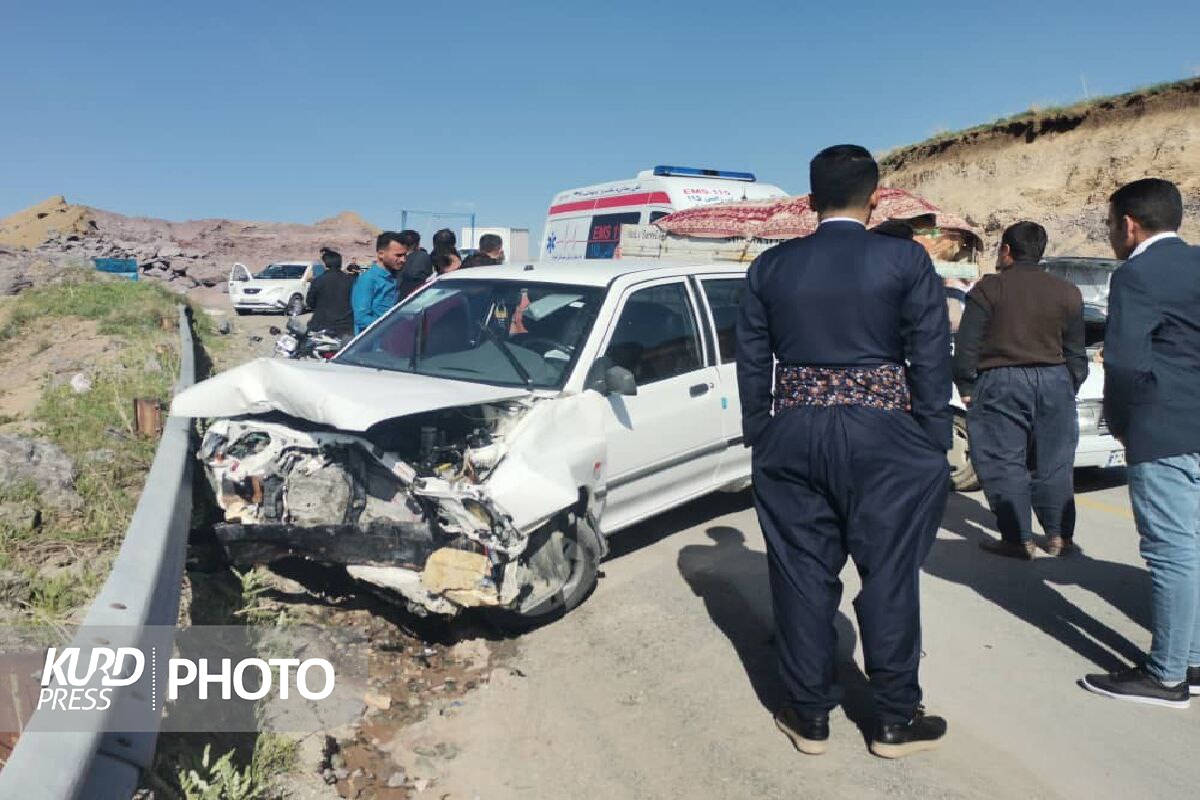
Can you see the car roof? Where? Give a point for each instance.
(594, 272)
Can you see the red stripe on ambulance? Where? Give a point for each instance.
(621, 201)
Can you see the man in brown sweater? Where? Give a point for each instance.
(1019, 360)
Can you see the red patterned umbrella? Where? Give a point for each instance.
(790, 217)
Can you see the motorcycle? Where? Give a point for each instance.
(299, 342)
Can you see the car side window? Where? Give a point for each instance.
(724, 299)
(656, 337)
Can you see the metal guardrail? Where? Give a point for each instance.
(142, 590)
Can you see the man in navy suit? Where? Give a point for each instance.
(849, 434)
(1152, 403)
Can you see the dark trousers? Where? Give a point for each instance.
(1023, 429)
(848, 480)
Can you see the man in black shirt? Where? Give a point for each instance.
(418, 266)
(329, 298)
(1019, 361)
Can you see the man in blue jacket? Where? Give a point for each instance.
(844, 373)
(1152, 403)
(376, 290)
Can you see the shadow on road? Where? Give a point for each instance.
(1026, 589)
(692, 514)
(1097, 480)
(732, 581)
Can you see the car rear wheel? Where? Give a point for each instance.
(295, 306)
(962, 472)
(577, 545)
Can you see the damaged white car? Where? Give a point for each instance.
(476, 446)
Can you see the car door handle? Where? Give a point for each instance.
(698, 390)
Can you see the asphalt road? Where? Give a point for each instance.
(660, 685)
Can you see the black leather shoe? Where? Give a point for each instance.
(1194, 681)
(1138, 686)
(901, 739)
(809, 735)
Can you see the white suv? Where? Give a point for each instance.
(281, 286)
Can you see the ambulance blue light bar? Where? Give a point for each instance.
(695, 172)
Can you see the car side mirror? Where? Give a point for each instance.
(607, 378)
(618, 380)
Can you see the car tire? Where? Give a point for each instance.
(581, 547)
(962, 471)
(295, 306)
(241, 312)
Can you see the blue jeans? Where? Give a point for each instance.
(1166, 506)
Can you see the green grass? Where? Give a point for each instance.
(100, 419)
(122, 307)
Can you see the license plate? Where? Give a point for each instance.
(1115, 459)
(286, 343)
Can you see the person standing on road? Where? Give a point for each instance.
(1019, 360)
(329, 298)
(849, 447)
(417, 265)
(1152, 403)
(376, 290)
(491, 252)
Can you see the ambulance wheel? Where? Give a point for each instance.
(962, 472)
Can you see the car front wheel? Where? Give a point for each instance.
(962, 472)
(572, 544)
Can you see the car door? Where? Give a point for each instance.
(722, 294)
(665, 442)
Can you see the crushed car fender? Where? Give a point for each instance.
(557, 448)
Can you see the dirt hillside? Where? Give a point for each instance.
(184, 254)
(1058, 167)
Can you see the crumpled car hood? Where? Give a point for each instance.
(345, 397)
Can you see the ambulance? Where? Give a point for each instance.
(586, 222)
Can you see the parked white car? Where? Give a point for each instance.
(281, 286)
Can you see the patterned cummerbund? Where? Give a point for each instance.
(884, 387)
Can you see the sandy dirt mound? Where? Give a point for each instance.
(36, 224)
(1059, 168)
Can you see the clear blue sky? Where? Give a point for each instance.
(297, 110)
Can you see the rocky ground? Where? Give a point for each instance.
(183, 255)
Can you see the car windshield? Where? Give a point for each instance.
(283, 271)
(487, 331)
